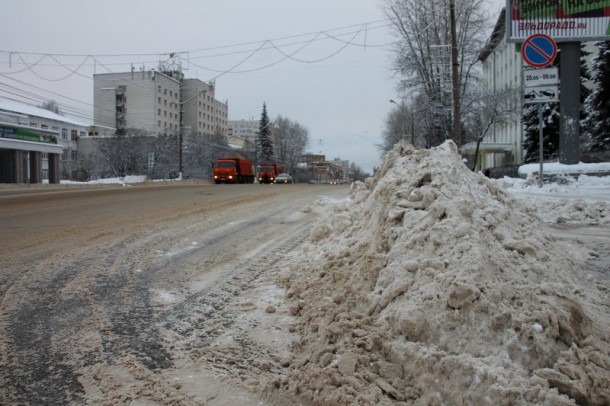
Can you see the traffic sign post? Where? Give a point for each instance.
(541, 77)
(541, 84)
(539, 50)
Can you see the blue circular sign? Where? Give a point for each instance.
(539, 50)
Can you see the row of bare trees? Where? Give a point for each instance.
(135, 152)
(439, 42)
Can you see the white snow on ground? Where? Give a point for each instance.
(568, 199)
(435, 285)
(123, 181)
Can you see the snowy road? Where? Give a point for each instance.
(150, 294)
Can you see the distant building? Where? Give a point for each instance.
(181, 118)
(343, 166)
(158, 103)
(202, 114)
(246, 130)
(316, 168)
(36, 144)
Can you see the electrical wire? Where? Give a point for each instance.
(277, 44)
(272, 44)
(321, 59)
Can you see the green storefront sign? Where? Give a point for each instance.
(575, 7)
(25, 135)
(532, 9)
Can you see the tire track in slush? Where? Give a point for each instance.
(85, 323)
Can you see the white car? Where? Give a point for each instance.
(283, 178)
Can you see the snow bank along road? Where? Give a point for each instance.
(117, 294)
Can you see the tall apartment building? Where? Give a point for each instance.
(158, 103)
(202, 114)
(144, 100)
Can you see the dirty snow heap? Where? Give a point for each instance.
(431, 285)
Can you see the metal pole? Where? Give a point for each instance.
(180, 153)
(569, 134)
(540, 141)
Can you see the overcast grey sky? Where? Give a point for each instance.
(323, 63)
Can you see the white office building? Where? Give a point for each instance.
(31, 161)
(147, 101)
(502, 70)
(202, 114)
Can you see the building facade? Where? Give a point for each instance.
(502, 72)
(503, 68)
(39, 145)
(158, 104)
(246, 130)
(146, 101)
(202, 114)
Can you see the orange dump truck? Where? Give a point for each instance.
(233, 170)
(267, 173)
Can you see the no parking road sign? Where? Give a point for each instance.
(539, 50)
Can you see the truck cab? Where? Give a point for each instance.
(267, 173)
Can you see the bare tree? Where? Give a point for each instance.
(357, 173)
(200, 151)
(289, 141)
(424, 54)
(399, 125)
(484, 110)
(51, 105)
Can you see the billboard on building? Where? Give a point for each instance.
(563, 20)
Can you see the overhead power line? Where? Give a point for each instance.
(68, 66)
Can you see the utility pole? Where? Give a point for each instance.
(457, 113)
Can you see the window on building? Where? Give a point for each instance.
(64, 133)
(74, 135)
(74, 156)
(159, 87)
(164, 91)
(82, 134)
(158, 100)
(159, 112)
(44, 126)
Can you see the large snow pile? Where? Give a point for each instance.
(432, 286)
